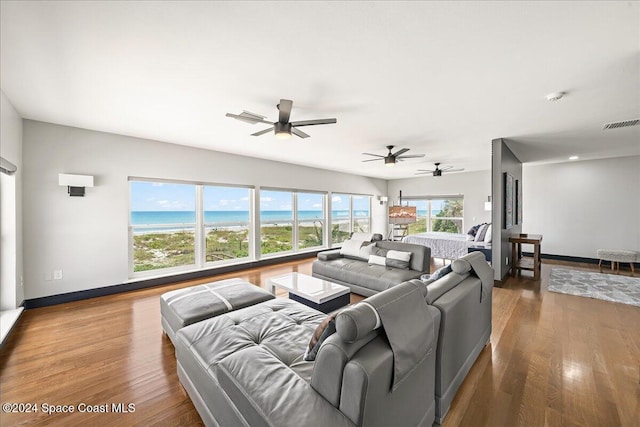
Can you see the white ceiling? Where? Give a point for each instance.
(440, 78)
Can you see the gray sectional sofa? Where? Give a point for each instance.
(368, 279)
(398, 357)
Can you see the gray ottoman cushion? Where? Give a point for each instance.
(183, 307)
(618, 255)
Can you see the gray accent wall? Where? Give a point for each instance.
(582, 206)
(503, 160)
(11, 254)
(87, 237)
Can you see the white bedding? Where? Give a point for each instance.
(443, 245)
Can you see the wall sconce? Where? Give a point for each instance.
(487, 204)
(383, 199)
(75, 183)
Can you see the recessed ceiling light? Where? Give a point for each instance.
(574, 158)
(554, 96)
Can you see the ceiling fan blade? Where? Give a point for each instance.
(314, 122)
(400, 152)
(410, 156)
(445, 168)
(285, 110)
(299, 133)
(262, 132)
(452, 170)
(424, 172)
(372, 160)
(375, 155)
(248, 119)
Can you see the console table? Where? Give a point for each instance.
(526, 263)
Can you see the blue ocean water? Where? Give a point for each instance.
(228, 217)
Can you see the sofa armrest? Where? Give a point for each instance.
(329, 255)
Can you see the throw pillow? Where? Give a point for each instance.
(367, 250)
(351, 248)
(481, 232)
(377, 260)
(398, 259)
(324, 330)
(473, 230)
(487, 236)
(440, 273)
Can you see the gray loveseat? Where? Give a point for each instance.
(368, 279)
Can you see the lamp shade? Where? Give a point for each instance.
(70, 180)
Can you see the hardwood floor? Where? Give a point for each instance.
(553, 360)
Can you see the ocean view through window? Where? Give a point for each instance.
(175, 226)
(162, 225)
(349, 214)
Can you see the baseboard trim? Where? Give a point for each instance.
(623, 266)
(159, 281)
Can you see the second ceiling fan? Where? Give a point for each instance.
(391, 158)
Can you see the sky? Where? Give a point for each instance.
(157, 196)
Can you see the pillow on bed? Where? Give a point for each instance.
(481, 233)
(473, 230)
(487, 236)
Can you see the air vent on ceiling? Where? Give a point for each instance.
(623, 124)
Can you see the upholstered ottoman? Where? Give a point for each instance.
(616, 256)
(185, 306)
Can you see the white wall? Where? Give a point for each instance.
(11, 259)
(582, 206)
(474, 186)
(87, 237)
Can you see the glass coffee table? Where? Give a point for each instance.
(316, 293)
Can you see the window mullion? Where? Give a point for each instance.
(200, 238)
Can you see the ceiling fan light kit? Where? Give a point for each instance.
(283, 128)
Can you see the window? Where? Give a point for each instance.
(437, 213)
(349, 214)
(227, 222)
(310, 219)
(361, 214)
(276, 221)
(162, 224)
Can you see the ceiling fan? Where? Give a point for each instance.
(437, 171)
(283, 128)
(391, 158)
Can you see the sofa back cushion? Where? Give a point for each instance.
(420, 255)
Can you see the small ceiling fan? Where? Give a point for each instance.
(283, 128)
(391, 158)
(437, 171)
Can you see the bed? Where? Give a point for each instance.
(443, 245)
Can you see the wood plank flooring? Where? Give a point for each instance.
(554, 359)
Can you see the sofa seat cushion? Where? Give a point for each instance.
(267, 393)
(375, 277)
(280, 326)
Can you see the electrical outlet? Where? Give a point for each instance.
(506, 260)
(22, 281)
(48, 276)
(57, 274)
